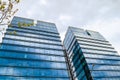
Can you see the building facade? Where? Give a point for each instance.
(91, 56)
(32, 53)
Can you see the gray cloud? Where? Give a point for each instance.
(98, 15)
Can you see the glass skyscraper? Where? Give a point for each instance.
(32, 52)
(91, 56)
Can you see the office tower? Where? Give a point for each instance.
(32, 52)
(91, 56)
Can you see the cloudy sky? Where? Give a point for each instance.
(97, 15)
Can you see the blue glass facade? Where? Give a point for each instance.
(32, 53)
(91, 56)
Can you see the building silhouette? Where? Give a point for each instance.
(32, 52)
(35, 52)
(91, 56)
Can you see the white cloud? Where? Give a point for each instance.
(65, 17)
(43, 2)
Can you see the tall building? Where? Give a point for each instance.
(91, 56)
(32, 52)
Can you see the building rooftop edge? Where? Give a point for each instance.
(33, 19)
(82, 29)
